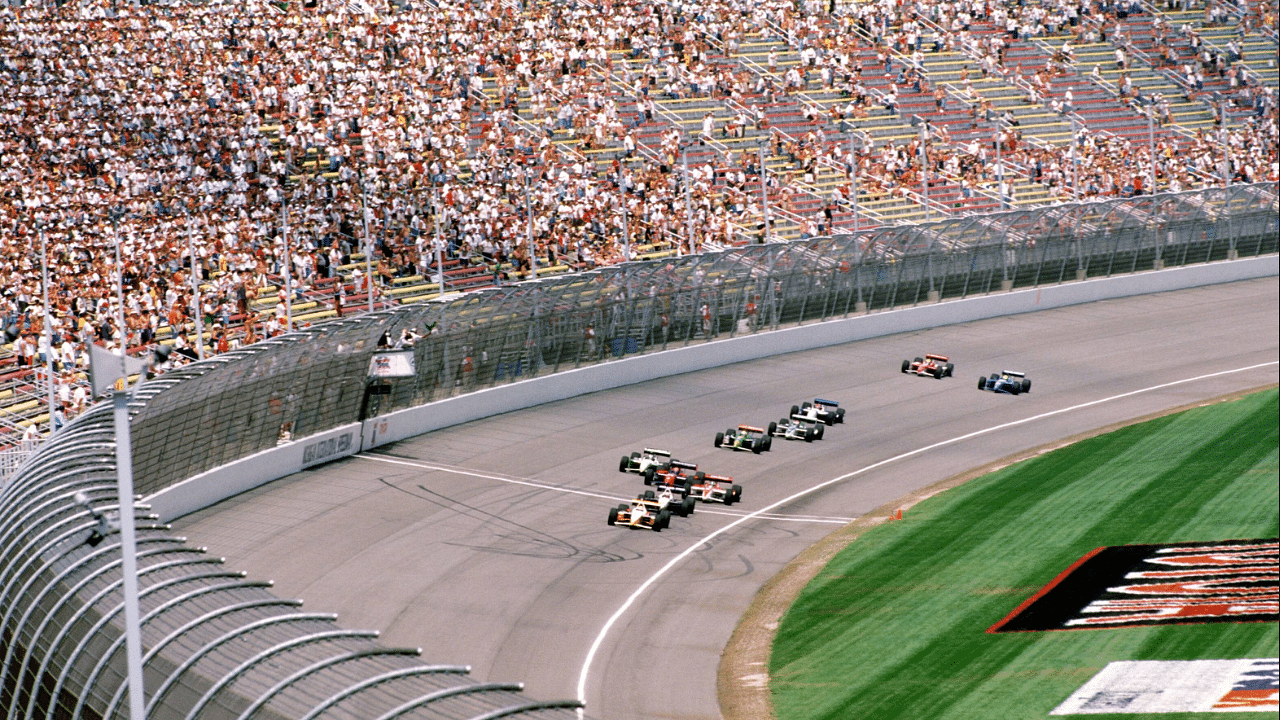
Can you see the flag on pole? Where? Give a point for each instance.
(105, 372)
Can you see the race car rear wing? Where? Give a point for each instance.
(684, 465)
(652, 451)
(717, 478)
(829, 403)
(1012, 373)
(750, 428)
(943, 358)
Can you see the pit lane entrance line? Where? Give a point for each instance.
(626, 605)
(587, 493)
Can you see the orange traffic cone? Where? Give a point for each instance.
(899, 514)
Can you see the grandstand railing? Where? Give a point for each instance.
(210, 413)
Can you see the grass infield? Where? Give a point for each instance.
(895, 625)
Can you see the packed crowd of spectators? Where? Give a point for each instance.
(146, 130)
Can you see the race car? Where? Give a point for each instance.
(640, 513)
(671, 500)
(746, 437)
(678, 475)
(640, 462)
(716, 488)
(797, 428)
(1007, 381)
(932, 365)
(827, 412)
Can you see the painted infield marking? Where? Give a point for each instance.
(587, 493)
(626, 605)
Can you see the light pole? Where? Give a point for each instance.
(853, 173)
(368, 241)
(48, 323)
(999, 167)
(288, 265)
(124, 488)
(439, 243)
(528, 212)
(1075, 164)
(688, 200)
(1222, 130)
(626, 225)
(1151, 141)
(195, 289)
(764, 193)
(924, 163)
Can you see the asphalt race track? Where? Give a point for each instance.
(486, 544)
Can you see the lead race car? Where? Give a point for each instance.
(827, 412)
(797, 428)
(932, 365)
(1007, 382)
(640, 462)
(716, 488)
(641, 513)
(746, 437)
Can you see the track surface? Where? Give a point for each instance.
(427, 541)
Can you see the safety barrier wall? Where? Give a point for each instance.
(223, 482)
(238, 419)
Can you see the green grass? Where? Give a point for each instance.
(894, 626)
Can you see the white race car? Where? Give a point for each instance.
(716, 488)
(671, 500)
(797, 428)
(640, 462)
(827, 412)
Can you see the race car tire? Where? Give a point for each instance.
(687, 506)
(1015, 388)
(840, 415)
(719, 439)
(613, 517)
(650, 495)
(649, 474)
(917, 361)
(773, 428)
(982, 383)
(735, 492)
(662, 521)
(768, 444)
(757, 447)
(939, 373)
(795, 409)
(626, 463)
(806, 405)
(906, 365)
(686, 488)
(821, 431)
(829, 419)
(951, 369)
(810, 434)
(1026, 385)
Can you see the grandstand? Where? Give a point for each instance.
(419, 157)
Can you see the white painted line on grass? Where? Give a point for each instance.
(587, 493)
(613, 619)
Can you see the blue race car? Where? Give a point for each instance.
(1008, 382)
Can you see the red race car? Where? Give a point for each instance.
(932, 365)
(679, 476)
(716, 488)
